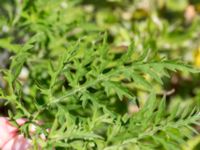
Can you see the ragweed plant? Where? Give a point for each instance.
(80, 88)
(82, 97)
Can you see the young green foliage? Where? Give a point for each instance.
(83, 90)
(79, 86)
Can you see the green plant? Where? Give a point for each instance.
(80, 87)
(79, 99)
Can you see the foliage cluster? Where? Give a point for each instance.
(77, 67)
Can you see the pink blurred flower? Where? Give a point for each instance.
(9, 137)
